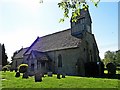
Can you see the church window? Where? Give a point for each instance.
(59, 60)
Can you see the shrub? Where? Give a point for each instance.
(23, 68)
(8, 66)
(5, 69)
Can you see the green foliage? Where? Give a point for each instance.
(23, 68)
(118, 56)
(75, 6)
(52, 82)
(112, 57)
(4, 56)
(109, 57)
(6, 68)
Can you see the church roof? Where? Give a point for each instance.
(56, 41)
(20, 53)
(40, 56)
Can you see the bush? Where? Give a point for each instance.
(23, 68)
(5, 69)
(8, 66)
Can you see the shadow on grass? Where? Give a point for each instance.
(116, 76)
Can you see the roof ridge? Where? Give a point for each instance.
(55, 33)
(31, 45)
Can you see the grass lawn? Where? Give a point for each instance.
(10, 81)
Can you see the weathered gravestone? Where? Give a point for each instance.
(38, 77)
(11, 70)
(17, 74)
(42, 74)
(111, 69)
(25, 75)
(58, 76)
(49, 74)
(16, 70)
(63, 75)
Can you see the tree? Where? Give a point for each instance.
(112, 57)
(4, 56)
(74, 6)
(109, 57)
(118, 56)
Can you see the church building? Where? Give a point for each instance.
(65, 51)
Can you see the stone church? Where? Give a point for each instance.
(65, 51)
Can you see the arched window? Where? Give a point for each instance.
(59, 60)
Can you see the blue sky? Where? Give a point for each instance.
(21, 21)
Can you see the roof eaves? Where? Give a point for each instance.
(31, 45)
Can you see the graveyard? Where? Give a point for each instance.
(10, 81)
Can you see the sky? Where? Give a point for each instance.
(21, 21)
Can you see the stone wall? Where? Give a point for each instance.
(69, 60)
(91, 41)
(16, 61)
(79, 56)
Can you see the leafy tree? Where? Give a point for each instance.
(118, 56)
(4, 56)
(109, 57)
(112, 57)
(74, 6)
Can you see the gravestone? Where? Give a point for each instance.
(17, 74)
(49, 74)
(15, 70)
(11, 70)
(111, 69)
(43, 75)
(25, 75)
(38, 77)
(63, 75)
(58, 76)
